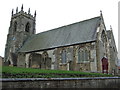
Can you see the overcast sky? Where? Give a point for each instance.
(55, 13)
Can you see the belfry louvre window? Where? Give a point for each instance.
(15, 26)
(64, 56)
(27, 27)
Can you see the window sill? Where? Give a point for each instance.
(83, 62)
(63, 64)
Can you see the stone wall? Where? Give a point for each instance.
(21, 60)
(113, 53)
(64, 58)
(100, 82)
(1, 60)
(102, 46)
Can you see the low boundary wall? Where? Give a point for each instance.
(96, 82)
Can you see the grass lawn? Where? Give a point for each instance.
(17, 72)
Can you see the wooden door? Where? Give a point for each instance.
(104, 65)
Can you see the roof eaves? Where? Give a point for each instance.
(59, 46)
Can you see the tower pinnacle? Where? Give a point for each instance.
(17, 10)
(29, 11)
(35, 14)
(110, 27)
(100, 12)
(12, 12)
(22, 7)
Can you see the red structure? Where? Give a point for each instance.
(104, 65)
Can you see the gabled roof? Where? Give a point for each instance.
(80, 32)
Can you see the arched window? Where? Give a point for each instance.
(103, 37)
(80, 56)
(83, 55)
(64, 56)
(27, 27)
(69, 54)
(86, 55)
(15, 26)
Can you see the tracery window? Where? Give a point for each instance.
(83, 55)
(104, 41)
(64, 56)
(70, 54)
(86, 56)
(80, 56)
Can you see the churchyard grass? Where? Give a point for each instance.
(17, 72)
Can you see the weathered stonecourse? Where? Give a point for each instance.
(82, 46)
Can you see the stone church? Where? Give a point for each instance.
(82, 46)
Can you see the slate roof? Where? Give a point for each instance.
(80, 32)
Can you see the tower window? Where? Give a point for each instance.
(15, 26)
(27, 28)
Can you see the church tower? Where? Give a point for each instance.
(22, 26)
